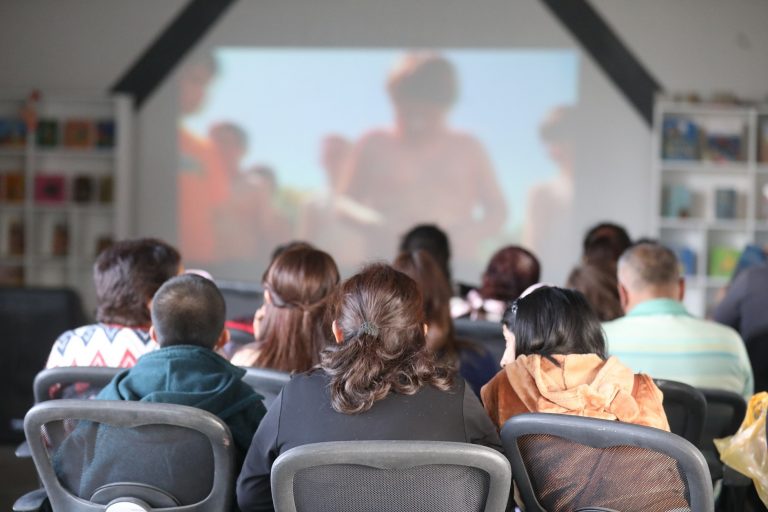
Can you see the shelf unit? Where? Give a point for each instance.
(68, 260)
(702, 230)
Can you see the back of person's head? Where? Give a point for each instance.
(649, 270)
(424, 77)
(293, 244)
(511, 270)
(430, 238)
(600, 287)
(127, 274)
(554, 321)
(604, 243)
(188, 310)
(379, 325)
(295, 329)
(436, 295)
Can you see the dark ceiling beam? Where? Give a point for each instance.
(623, 68)
(167, 50)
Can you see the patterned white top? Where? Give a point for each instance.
(101, 345)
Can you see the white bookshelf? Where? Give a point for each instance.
(701, 230)
(86, 221)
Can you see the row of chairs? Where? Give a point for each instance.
(605, 465)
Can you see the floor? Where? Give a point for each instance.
(17, 476)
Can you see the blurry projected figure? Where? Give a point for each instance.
(548, 217)
(421, 170)
(202, 181)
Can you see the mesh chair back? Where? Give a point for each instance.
(268, 383)
(390, 476)
(482, 332)
(32, 318)
(131, 451)
(565, 463)
(685, 407)
(725, 412)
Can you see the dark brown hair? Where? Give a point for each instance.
(381, 317)
(510, 272)
(127, 274)
(600, 287)
(295, 327)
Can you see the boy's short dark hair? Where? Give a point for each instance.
(127, 274)
(188, 310)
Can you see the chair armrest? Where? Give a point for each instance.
(22, 451)
(733, 478)
(35, 501)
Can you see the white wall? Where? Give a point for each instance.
(688, 45)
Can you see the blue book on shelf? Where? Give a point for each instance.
(681, 139)
(687, 258)
(725, 203)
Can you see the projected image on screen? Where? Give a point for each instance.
(348, 149)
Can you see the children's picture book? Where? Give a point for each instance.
(723, 261)
(678, 201)
(681, 138)
(725, 203)
(687, 258)
(105, 134)
(83, 189)
(725, 139)
(12, 187)
(79, 133)
(50, 188)
(13, 133)
(106, 193)
(48, 133)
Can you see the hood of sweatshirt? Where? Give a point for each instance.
(582, 384)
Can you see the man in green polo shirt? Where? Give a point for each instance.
(659, 337)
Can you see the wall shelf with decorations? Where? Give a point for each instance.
(710, 183)
(65, 186)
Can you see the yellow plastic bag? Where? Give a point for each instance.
(745, 451)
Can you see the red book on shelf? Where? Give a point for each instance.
(50, 188)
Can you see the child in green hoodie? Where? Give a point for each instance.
(188, 315)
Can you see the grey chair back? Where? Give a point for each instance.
(686, 409)
(725, 412)
(390, 476)
(95, 376)
(566, 463)
(175, 422)
(268, 383)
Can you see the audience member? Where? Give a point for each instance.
(188, 323)
(379, 383)
(600, 287)
(126, 275)
(743, 306)
(604, 243)
(432, 239)
(511, 270)
(474, 363)
(659, 337)
(291, 328)
(556, 362)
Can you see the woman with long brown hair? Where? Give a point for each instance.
(378, 383)
(291, 328)
(473, 362)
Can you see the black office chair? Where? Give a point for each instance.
(686, 409)
(484, 333)
(390, 476)
(725, 412)
(268, 383)
(569, 463)
(32, 318)
(120, 452)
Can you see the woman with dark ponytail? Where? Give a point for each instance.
(379, 382)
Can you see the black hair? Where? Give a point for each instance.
(127, 274)
(552, 321)
(431, 239)
(605, 242)
(188, 310)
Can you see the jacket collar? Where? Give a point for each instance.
(659, 307)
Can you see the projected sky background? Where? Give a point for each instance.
(288, 100)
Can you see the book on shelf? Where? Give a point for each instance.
(48, 133)
(50, 188)
(724, 139)
(16, 238)
(12, 187)
(762, 139)
(106, 189)
(83, 189)
(60, 240)
(681, 138)
(751, 255)
(723, 260)
(13, 133)
(725, 203)
(687, 259)
(79, 133)
(105, 134)
(678, 201)
(11, 275)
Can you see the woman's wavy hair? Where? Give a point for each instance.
(295, 327)
(380, 315)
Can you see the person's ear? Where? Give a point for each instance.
(681, 289)
(153, 333)
(337, 334)
(223, 339)
(267, 297)
(426, 329)
(623, 297)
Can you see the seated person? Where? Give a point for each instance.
(474, 363)
(604, 243)
(600, 287)
(509, 273)
(556, 362)
(127, 274)
(291, 328)
(378, 383)
(188, 323)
